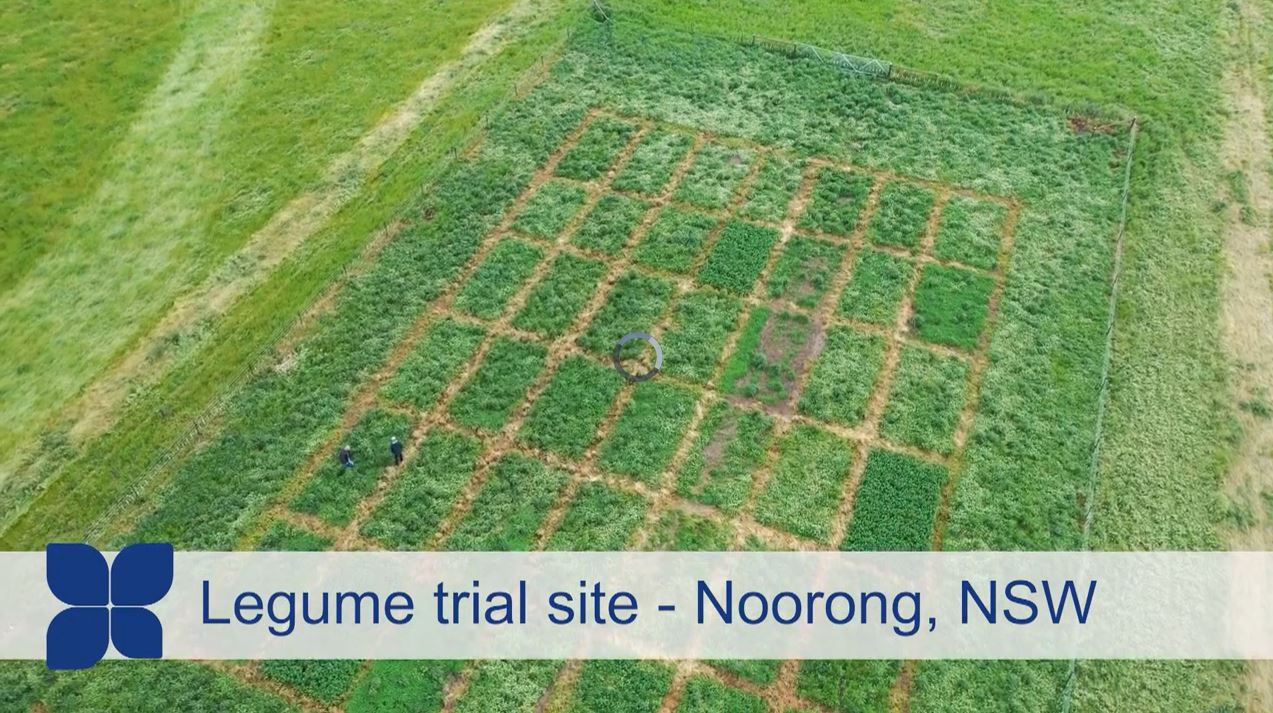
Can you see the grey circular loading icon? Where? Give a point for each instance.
(658, 356)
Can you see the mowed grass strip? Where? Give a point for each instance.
(323, 679)
(951, 305)
(836, 202)
(509, 507)
(648, 431)
(500, 275)
(555, 301)
(701, 323)
(843, 376)
(487, 400)
(848, 686)
(707, 695)
(674, 241)
(652, 163)
(738, 256)
(901, 216)
(599, 518)
(896, 504)
(416, 686)
(720, 467)
(633, 305)
(548, 211)
(804, 270)
(716, 173)
(970, 231)
(620, 686)
(680, 531)
(416, 503)
(926, 400)
(334, 491)
(438, 357)
(507, 686)
(608, 225)
(875, 288)
(803, 494)
(565, 417)
(597, 149)
(771, 192)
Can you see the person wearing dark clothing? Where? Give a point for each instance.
(395, 447)
(346, 457)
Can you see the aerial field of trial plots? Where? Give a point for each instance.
(884, 310)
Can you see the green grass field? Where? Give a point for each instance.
(868, 292)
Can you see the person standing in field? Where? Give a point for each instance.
(395, 447)
(346, 457)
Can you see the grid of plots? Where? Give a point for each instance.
(824, 327)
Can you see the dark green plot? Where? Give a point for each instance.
(498, 385)
(876, 287)
(609, 224)
(951, 305)
(550, 209)
(836, 202)
(403, 686)
(804, 270)
(565, 417)
(599, 518)
(509, 507)
(896, 504)
(418, 501)
(738, 256)
(334, 491)
(675, 239)
(500, 275)
(901, 216)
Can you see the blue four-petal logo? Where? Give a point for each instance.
(106, 603)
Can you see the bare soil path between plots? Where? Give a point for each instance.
(100, 404)
(1247, 304)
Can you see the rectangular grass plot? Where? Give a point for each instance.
(769, 356)
(439, 356)
(634, 304)
(970, 231)
(565, 417)
(738, 256)
(391, 685)
(926, 400)
(609, 224)
(418, 501)
(856, 686)
(707, 695)
(843, 376)
(720, 467)
(324, 679)
(599, 518)
(509, 508)
(717, 172)
(804, 270)
(674, 240)
(653, 161)
(548, 211)
(680, 531)
(803, 494)
(896, 504)
(876, 287)
(555, 301)
(951, 306)
(334, 491)
(285, 537)
(836, 202)
(648, 431)
(620, 686)
(596, 150)
(901, 216)
(500, 275)
(498, 385)
(512, 686)
(701, 323)
(770, 194)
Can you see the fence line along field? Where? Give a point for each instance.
(882, 309)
